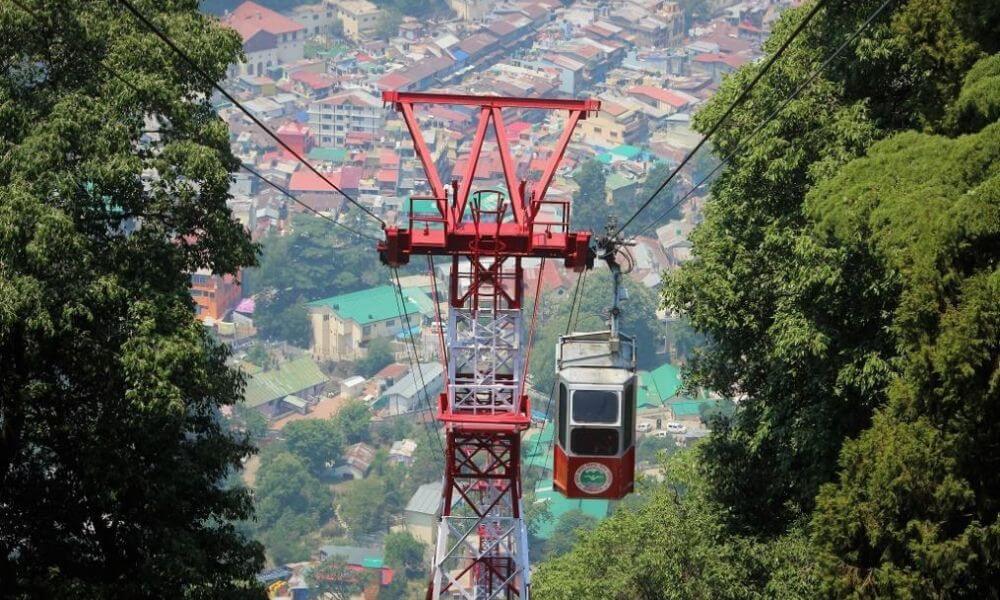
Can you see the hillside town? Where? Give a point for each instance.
(315, 76)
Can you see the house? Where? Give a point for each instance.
(402, 451)
(361, 560)
(342, 326)
(352, 386)
(360, 18)
(213, 295)
(470, 10)
(414, 391)
(285, 388)
(663, 99)
(298, 138)
(269, 39)
(317, 192)
(350, 111)
(422, 511)
(316, 18)
(612, 126)
(356, 461)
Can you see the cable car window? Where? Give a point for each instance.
(594, 441)
(628, 422)
(561, 422)
(595, 406)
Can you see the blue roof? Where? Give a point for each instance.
(460, 55)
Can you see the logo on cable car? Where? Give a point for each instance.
(593, 478)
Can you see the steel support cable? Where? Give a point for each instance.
(414, 359)
(437, 312)
(729, 111)
(34, 15)
(534, 324)
(293, 198)
(552, 388)
(197, 68)
(770, 117)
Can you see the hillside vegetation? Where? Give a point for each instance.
(846, 275)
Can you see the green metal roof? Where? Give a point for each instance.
(337, 155)
(664, 381)
(289, 378)
(376, 304)
(560, 505)
(627, 151)
(646, 396)
(687, 409)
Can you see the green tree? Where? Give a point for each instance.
(363, 507)
(567, 530)
(428, 461)
(333, 579)
(812, 364)
(353, 419)
(112, 454)
(590, 207)
(285, 486)
(249, 420)
(379, 355)
(406, 553)
(317, 442)
(916, 504)
(388, 23)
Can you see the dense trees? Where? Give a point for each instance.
(111, 450)
(849, 290)
(318, 442)
(590, 206)
(291, 504)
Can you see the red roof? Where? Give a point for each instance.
(733, 60)
(388, 158)
(249, 18)
(293, 128)
(358, 137)
(305, 180)
(517, 127)
(393, 81)
(316, 81)
(660, 95)
(387, 176)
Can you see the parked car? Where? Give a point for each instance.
(645, 426)
(675, 427)
(661, 433)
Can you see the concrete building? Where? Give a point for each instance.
(360, 18)
(470, 10)
(612, 126)
(334, 117)
(269, 39)
(213, 295)
(316, 18)
(342, 326)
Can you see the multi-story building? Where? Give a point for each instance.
(612, 126)
(213, 295)
(269, 39)
(342, 326)
(316, 18)
(360, 18)
(333, 117)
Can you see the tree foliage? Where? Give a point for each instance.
(353, 420)
(590, 206)
(405, 553)
(333, 579)
(379, 355)
(317, 442)
(112, 453)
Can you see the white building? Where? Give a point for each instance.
(353, 111)
(269, 39)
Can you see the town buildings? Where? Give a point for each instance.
(269, 38)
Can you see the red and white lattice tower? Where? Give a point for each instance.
(482, 542)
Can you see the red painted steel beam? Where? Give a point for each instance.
(396, 97)
(425, 156)
(555, 159)
(470, 168)
(509, 172)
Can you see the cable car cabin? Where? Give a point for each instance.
(595, 416)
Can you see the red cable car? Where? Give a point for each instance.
(595, 410)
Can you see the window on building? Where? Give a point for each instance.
(366, 330)
(390, 323)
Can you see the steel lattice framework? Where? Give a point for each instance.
(482, 543)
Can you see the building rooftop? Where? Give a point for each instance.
(250, 18)
(375, 304)
(289, 378)
(410, 385)
(426, 500)
(560, 505)
(663, 382)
